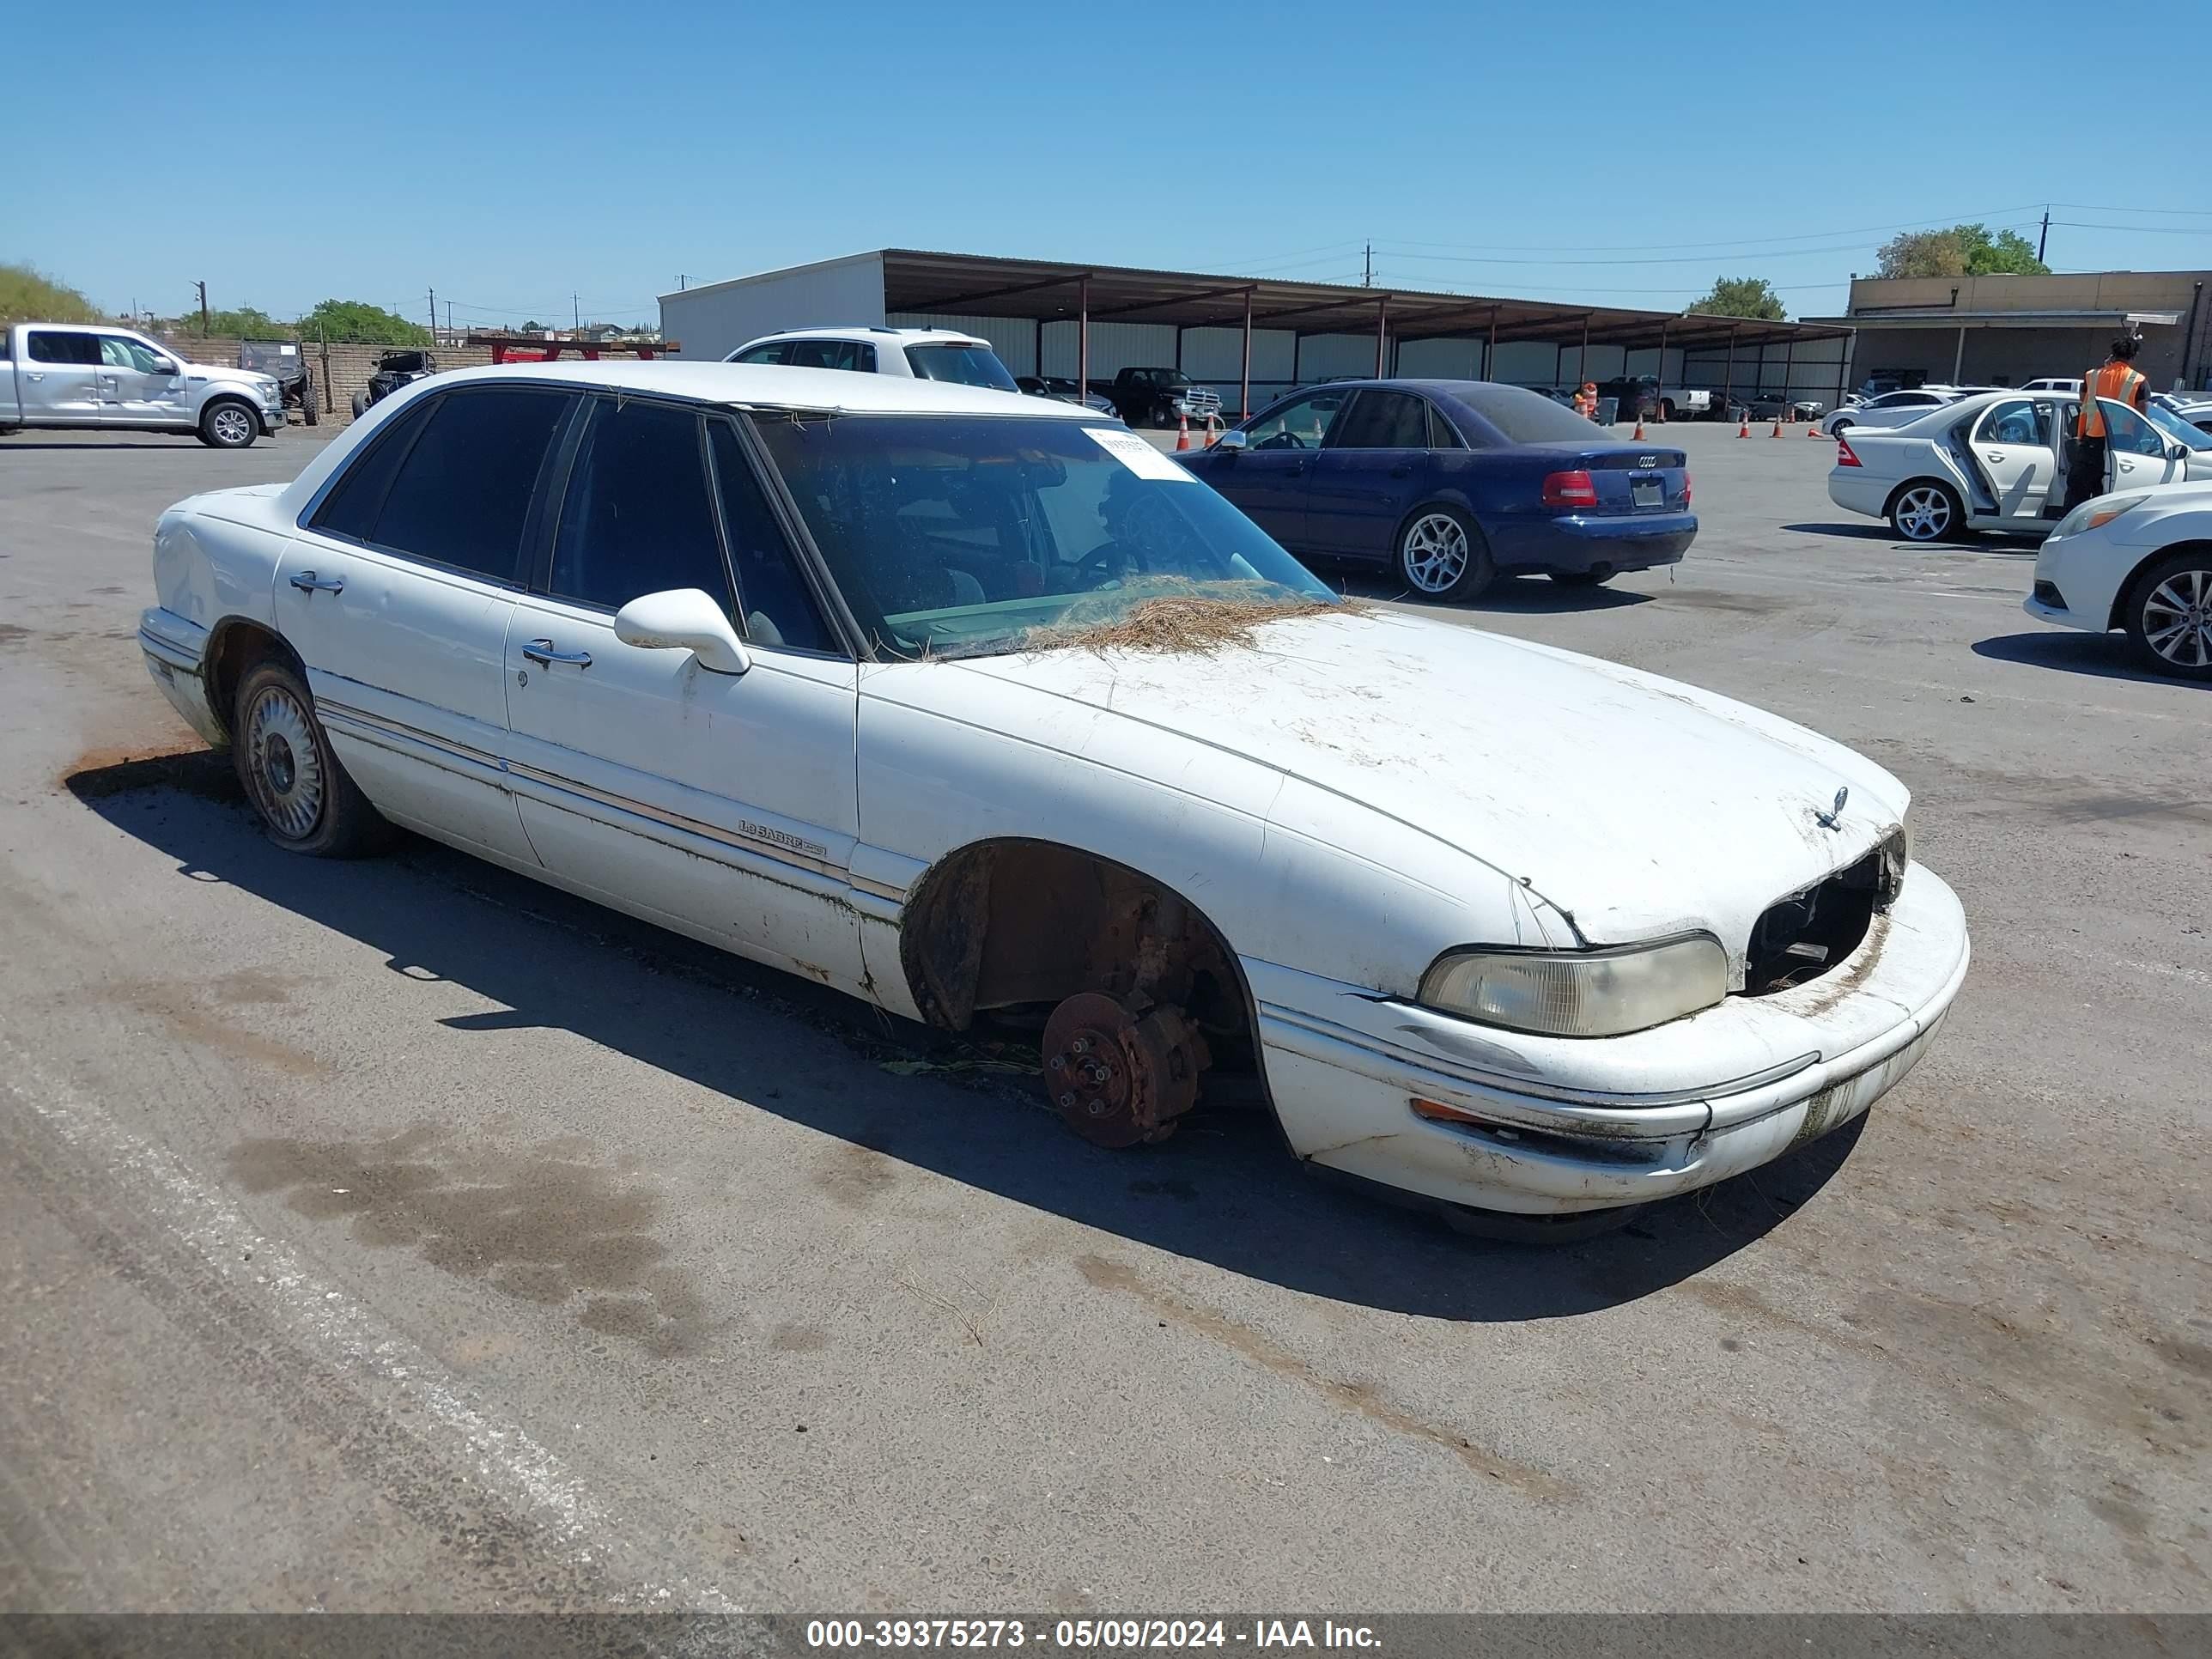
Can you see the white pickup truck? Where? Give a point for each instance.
(73, 375)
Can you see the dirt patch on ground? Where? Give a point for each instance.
(1182, 616)
(182, 763)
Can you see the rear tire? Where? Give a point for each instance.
(2169, 616)
(305, 798)
(227, 423)
(1841, 427)
(1926, 511)
(1442, 555)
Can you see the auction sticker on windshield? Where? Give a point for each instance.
(1139, 456)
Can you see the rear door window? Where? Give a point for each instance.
(2015, 421)
(351, 506)
(766, 354)
(637, 517)
(851, 355)
(1384, 420)
(462, 495)
(1442, 433)
(52, 346)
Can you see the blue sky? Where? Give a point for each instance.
(1617, 154)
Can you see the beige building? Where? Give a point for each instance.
(2002, 331)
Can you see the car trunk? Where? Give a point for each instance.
(1629, 478)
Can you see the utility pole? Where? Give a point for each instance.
(681, 281)
(434, 316)
(576, 320)
(202, 287)
(1367, 270)
(2042, 239)
(449, 316)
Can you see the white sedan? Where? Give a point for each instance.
(1996, 461)
(2141, 562)
(1890, 408)
(983, 710)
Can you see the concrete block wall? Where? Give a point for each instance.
(339, 370)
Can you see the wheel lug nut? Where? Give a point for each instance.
(1058, 1062)
(1067, 1100)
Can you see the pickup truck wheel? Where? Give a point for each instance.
(227, 423)
(304, 797)
(1442, 555)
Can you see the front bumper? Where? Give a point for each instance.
(1569, 1124)
(174, 648)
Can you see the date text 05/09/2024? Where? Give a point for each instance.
(1088, 1635)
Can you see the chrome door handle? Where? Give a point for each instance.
(309, 582)
(542, 651)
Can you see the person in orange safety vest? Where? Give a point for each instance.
(2118, 380)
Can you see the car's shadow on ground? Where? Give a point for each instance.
(10, 446)
(1223, 1190)
(1526, 595)
(1981, 542)
(2103, 656)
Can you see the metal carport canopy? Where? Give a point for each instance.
(948, 284)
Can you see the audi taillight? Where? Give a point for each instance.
(1843, 455)
(1570, 489)
(1686, 489)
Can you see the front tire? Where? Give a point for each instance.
(305, 799)
(1926, 511)
(227, 423)
(1837, 428)
(2170, 616)
(1442, 555)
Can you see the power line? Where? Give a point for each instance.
(2094, 207)
(2137, 230)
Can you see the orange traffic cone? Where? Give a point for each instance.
(1743, 427)
(1813, 429)
(1777, 430)
(1183, 433)
(1213, 431)
(1637, 436)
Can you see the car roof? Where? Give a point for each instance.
(743, 386)
(771, 385)
(875, 330)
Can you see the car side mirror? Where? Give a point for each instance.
(2177, 451)
(684, 619)
(163, 366)
(1233, 441)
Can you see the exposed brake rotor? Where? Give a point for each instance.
(1118, 1077)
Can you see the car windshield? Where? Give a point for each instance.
(969, 535)
(2175, 427)
(969, 365)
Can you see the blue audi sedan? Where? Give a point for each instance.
(1454, 483)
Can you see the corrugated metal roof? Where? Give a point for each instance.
(973, 284)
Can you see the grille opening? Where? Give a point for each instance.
(1805, 935)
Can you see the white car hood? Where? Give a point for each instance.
(1637, 805)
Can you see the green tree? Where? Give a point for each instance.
(1962, 250)
(27, 295)
(243, 323)
(358, 320)
(1741, 296)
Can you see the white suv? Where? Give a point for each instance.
(918, 353)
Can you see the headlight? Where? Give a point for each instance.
(2092, 515)
(1580, 993)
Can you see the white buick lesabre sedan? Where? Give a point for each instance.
(978, 708)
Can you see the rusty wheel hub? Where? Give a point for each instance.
(1118, 1077)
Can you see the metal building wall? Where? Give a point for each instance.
(709, 323)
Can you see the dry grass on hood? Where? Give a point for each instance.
(1180, 616)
